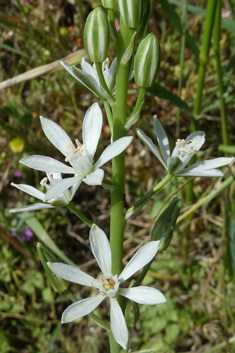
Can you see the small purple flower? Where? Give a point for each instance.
(53, 79)
(43, 96)
(17, 173)
(117, 25)
(25, 234)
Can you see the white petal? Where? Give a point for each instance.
(196, 140)
(56, 135)
(149, 143)
(94, 178)
(73, 189)
(60, 187)
(143, 256)
(162, 138)
(30, 190)
(101, 249)
(200, 173)
(72, 274)
(82, 165)
(118, 323)
(84, 78)
(34, 207)
(110, 75)
(88, 69)
(206, 168)
(113, 150)
(46, 164)
(81, 308)
(143, 295)
(91, 129)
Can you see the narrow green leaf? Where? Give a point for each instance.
(42, 235)
(225, 23)
(175, 20)
(229, 234)
(227, 149)
(13, 50)
(162, 92)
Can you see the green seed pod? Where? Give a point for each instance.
(147, 61)
(58, 284)
(130, 11)
(132, 314)
(109, 4)
(97, 35)
(165, 224)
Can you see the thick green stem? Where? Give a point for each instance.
(216, 47)
(204, 56)
(118, 163)
(96, 318)
(79, 214)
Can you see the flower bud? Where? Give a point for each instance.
(130, 11)
(147, 61)
(58, 284)
(109, 4)
(97, 35)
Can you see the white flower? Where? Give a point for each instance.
(80, 157)
(109, 285)
(88, 75)
(176, 162)
(61, 200)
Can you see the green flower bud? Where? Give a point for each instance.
(97, 35)
(147, 61)
(58, 284)
(109, 4)
(130, 11)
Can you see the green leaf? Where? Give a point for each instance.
(13, 50)
(229, 234)
(227, 149)
(162, 92)
(42, 235)
(175, 20)
(225, 23)
(4, 343)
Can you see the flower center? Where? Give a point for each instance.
(75, 152)
(109, 285)
(184, 147)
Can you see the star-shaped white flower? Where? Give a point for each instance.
(61, 200)
(176, 162)
(81, 158)
(109, 285)
(88, 75)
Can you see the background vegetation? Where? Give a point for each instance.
(196, 273)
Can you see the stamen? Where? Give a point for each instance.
(105, 64)
(94, 69)
(43, 181)
(179, 142)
